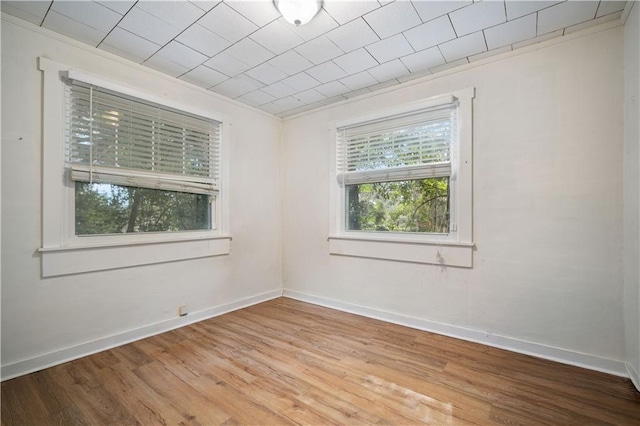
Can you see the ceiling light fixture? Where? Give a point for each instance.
(298, 12)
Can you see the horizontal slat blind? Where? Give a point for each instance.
(112, 136)
(409, 146)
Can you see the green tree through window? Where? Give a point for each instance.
(420, 205)
(115, 209)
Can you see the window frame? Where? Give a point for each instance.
(452, 249)
(60, 245)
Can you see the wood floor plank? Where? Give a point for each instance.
(287, 362)
(139, 398)
(14, 395)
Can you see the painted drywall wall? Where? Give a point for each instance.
(632, 193)
(547, 204)
(40, 316)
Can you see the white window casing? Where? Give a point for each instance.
(359, 154)
(203, 171)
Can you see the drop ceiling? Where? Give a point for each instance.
(246, 51)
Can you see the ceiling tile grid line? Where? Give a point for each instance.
(245, 50)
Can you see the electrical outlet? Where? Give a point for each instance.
(182, 310)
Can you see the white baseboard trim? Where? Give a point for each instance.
(634, 376)
(564, 356)
(61, 356)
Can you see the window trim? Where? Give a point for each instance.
(58, 225)
(453, 249)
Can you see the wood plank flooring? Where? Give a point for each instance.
(288, 362)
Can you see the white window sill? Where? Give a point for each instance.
(90, 256)
(443, 253)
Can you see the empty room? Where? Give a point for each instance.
(320, 212)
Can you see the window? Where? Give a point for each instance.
(396, 171)
(128, 177)
(138, 166)
(404, 176)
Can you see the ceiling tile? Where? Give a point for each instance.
(478, 16)
(278, 37)
(331, 100)
(121, 53)
(349, 48)
(333, 88)
(511, 32)
(260, 12)
(516, 9)
(204, 4)
(345, 11)
(74, 29)
(431, 33)
(162, 64)
(384, 85)
(204, 41)
(120, 6)
(449, 65)
(309, 96)
(301, 82)
(463, 46)
(353, 35)
(227, 23)
(358, 81)
(291, 62)
(266, 74)
(272, 108)
(423, 60)
(539, 39)
(142, 23)
(132, 46)
(393, 18)
(356, 93)
(390, 48)
(326, 72)
(227, 64)
(390, 70)
(429, 10)
(303, 108)
(592, 22)
(89, 13)
(249, 52)
(288, 103)
(413, 76)
(320, 24)
(608, 7)
(256, 98)
(180, 14)
(319, 50)
(237, 86)
(32, 11)
(489, 53)
(356, 61)
(565, 14)
(204, 77)
(278, 90)
(182, 55)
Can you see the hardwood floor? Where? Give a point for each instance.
(288, 362)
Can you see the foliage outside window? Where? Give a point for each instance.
(396, 172)
(420, 205)
(138, 166)
(112, 209)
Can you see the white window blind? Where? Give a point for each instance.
(414, 145)
(115, 138)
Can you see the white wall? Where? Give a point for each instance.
(632, 194)
(547, 205)
(40, 316)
